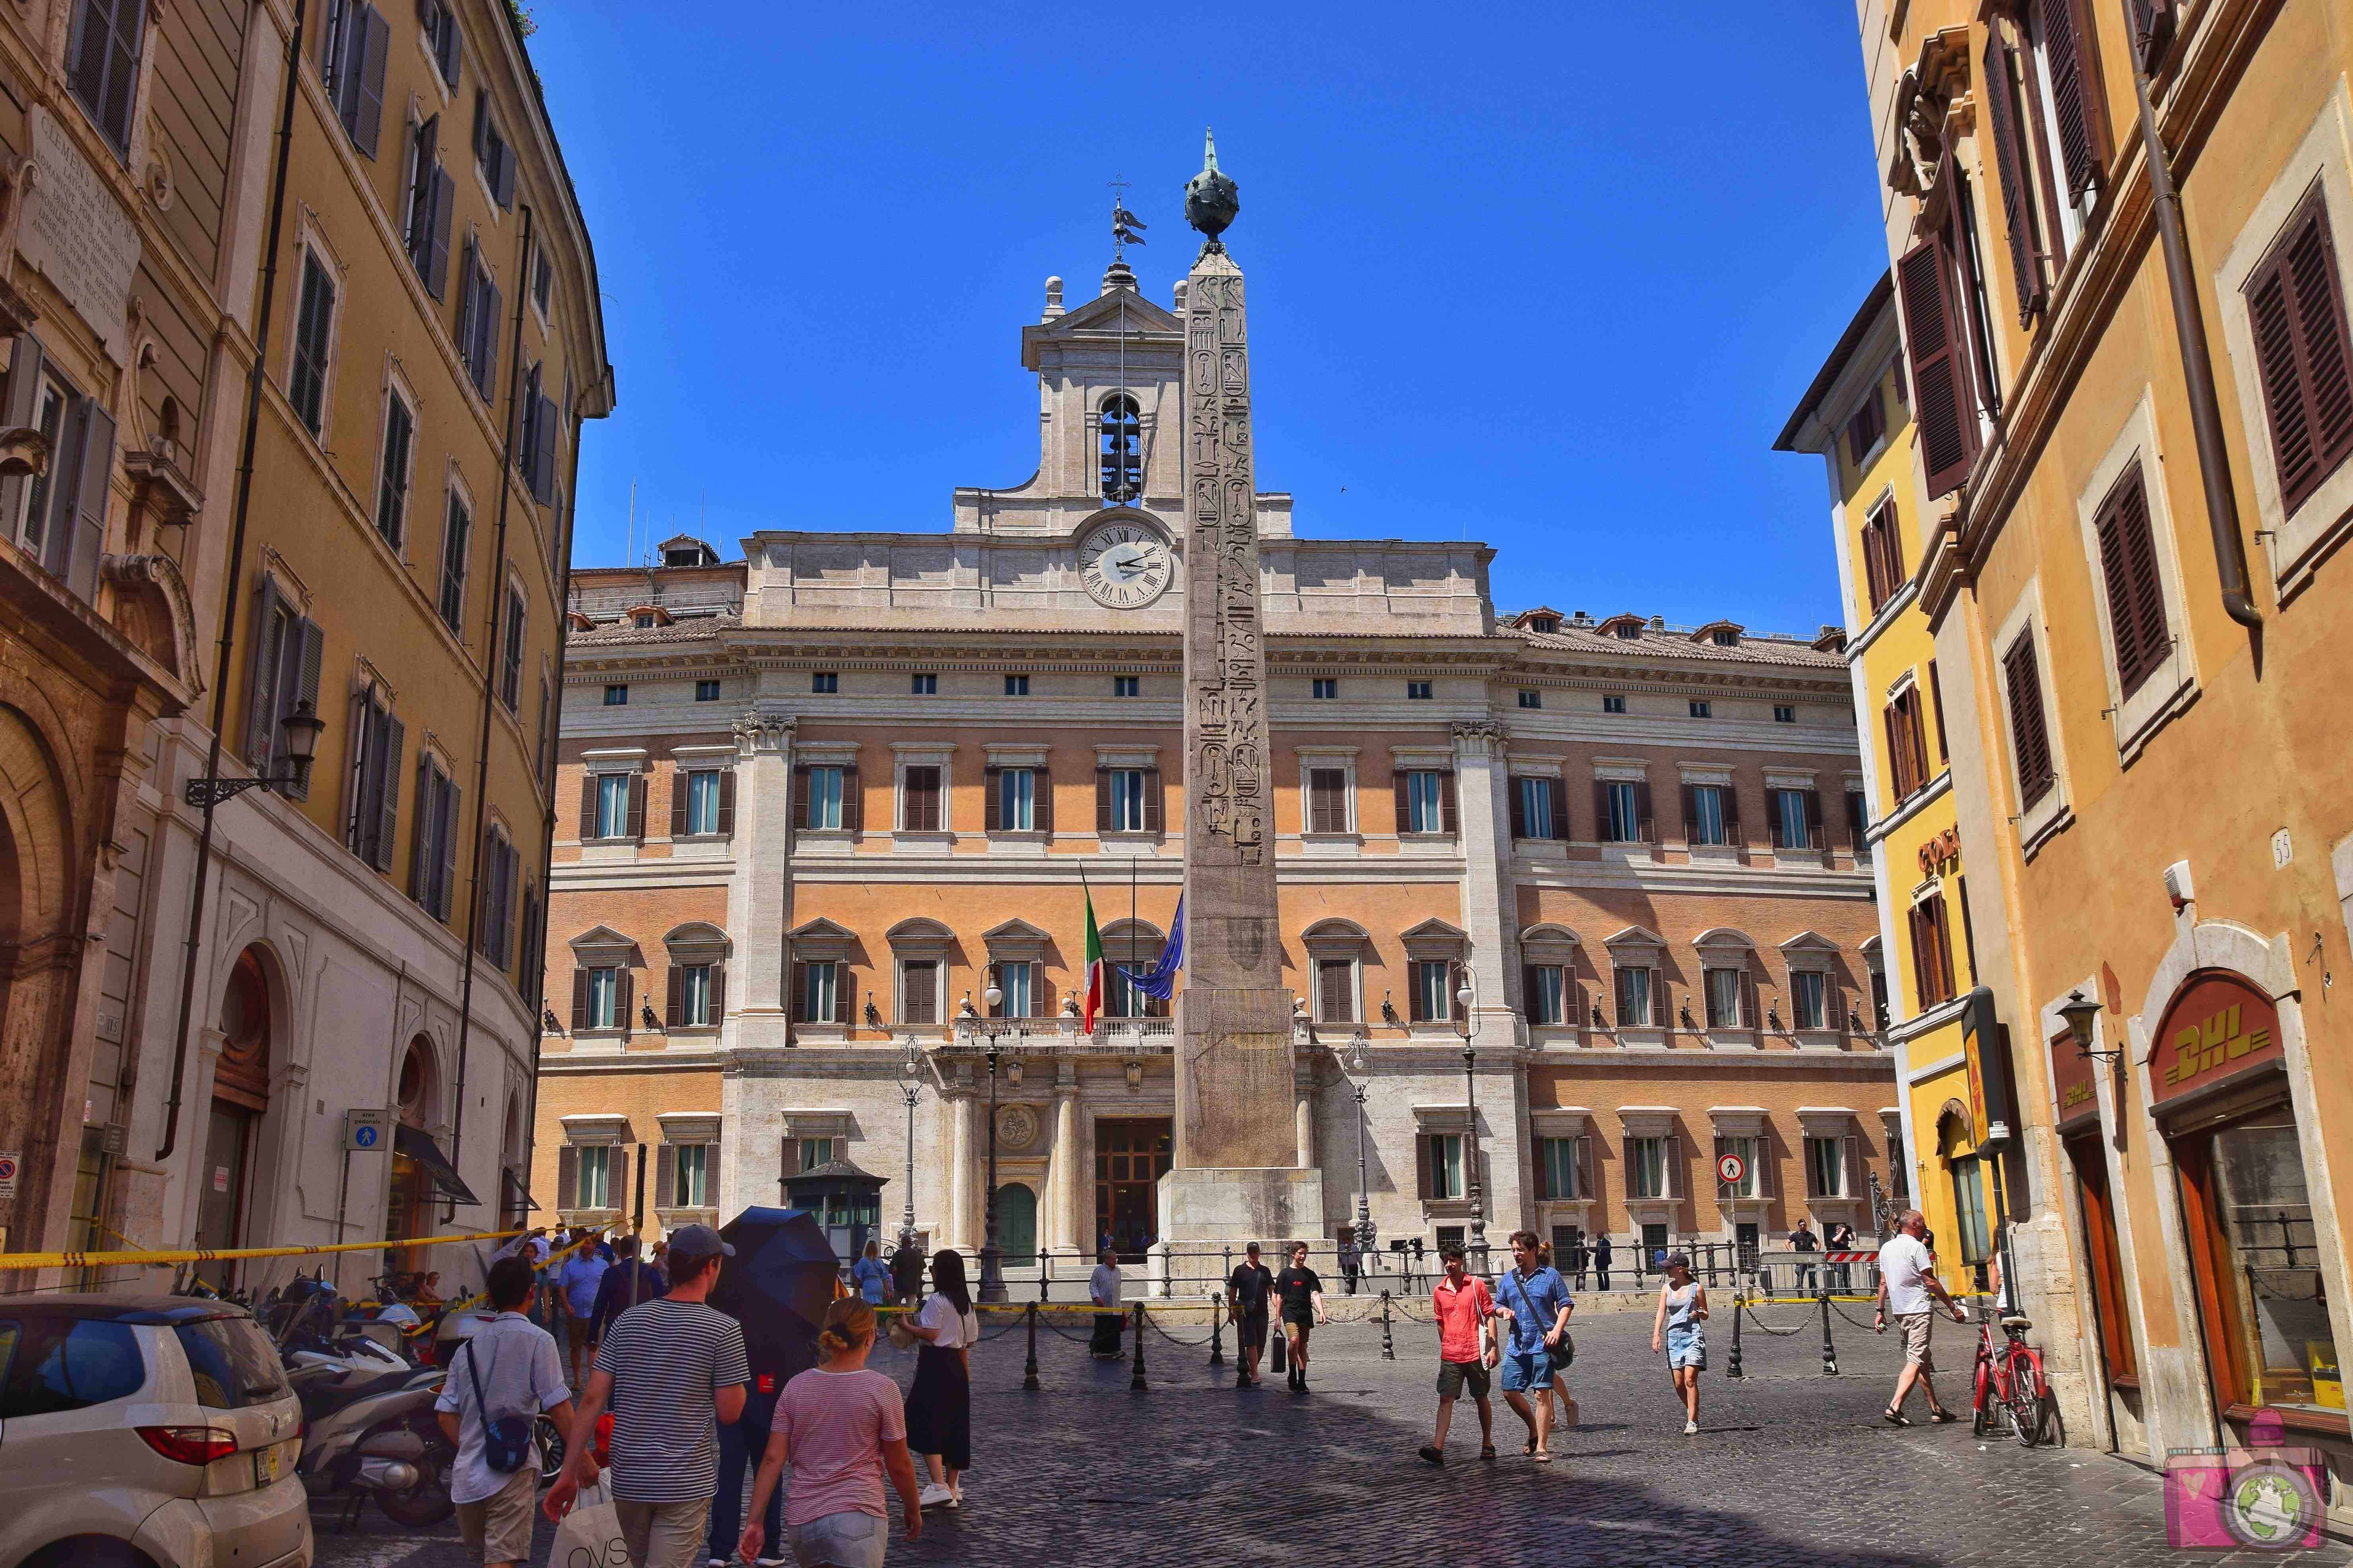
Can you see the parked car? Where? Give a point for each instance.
(146, 1432)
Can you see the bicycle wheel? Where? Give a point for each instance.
(1981, 1402)
(2025, 1397)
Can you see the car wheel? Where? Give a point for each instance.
(95, 1552)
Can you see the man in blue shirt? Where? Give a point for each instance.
(626, 1283)
(1534, 1300)
(576, 1290)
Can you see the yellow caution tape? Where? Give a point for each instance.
(215, 1254)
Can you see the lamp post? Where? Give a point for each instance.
(992, 1263)
(1356, 1063)
(910, 1084)
(1464, 997)
(301, 729)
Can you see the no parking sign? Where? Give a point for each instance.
(8, 1163)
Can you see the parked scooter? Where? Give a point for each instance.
(367, 1414)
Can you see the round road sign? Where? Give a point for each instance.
(1730, 1169)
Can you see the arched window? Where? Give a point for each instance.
(1122, 449)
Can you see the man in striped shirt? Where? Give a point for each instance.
(671, 1370)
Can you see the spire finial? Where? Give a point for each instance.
(1209, 148)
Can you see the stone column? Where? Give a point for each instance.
(957, 1222)
(759, 894)
(1063, 1173)
(1490, 907)
(1303, 1119)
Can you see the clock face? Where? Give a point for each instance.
(1124, 566)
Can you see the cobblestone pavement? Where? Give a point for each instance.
(1790, 1466)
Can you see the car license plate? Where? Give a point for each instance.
(265, 1465)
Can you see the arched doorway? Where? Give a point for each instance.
(1017, 1224)
(409, 1211)
(1956, 1147)
(233, 1126)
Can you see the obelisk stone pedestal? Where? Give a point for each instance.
(1235, 1174)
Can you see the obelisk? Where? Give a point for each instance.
(1236, 1174)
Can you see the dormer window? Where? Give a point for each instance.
(1122, 449)
(1725, 639)
(1543, 624)
(1629, 630)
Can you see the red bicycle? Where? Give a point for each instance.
(2009, 1379)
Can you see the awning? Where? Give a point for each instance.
(415, 1144)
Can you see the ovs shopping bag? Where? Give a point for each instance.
(590, 1535)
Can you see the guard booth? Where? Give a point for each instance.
(846, 1201)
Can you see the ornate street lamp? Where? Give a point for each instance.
(1464, 997)
(1356, 1063)
(992, 1263)
(301, 747)
(2080, 1013)
(910, 1084)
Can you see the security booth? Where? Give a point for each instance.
(846, 1201)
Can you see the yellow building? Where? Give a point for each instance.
(2133, 471)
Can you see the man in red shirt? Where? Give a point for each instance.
(1464, 1308)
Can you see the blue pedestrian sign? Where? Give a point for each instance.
(366, 1131)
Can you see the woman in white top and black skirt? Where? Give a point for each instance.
(939, 1407)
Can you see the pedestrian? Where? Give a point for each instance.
(907, 1274)
(1348, 1264)
(939, 1407)
(1908, 1291)
(575, 1295)
(671, 1368)
(661, 1262)
(1103, 1289)
(1109, 1243)
(1535, 1301)
(1246, 1292)
(775, 1360)
(873, 1279)
(1839, 1236)
(1464, 1307)
(626, 1283)
(1581, 1258)
(1804, 1240)
(1601, 1261)
(1683, 1307)
(1300, 1291)
(512, 1374)
(842, 1429)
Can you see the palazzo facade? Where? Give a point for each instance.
(814, 804)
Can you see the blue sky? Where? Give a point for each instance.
(1554, 283)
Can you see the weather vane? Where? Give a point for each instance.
(1126, 228)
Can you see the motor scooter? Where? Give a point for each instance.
(367, 1414)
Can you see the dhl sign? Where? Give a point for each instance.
(2218, 1027)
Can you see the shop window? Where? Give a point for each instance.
(2259, 1265)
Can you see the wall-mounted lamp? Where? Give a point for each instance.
(2081, 1013)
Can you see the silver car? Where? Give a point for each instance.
(146, 1432)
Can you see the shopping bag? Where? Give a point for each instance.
(590, 1535)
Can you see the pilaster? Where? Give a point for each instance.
(1489, 907)
(759, 893)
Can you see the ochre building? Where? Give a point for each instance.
(814, 804)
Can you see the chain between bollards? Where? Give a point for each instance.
(1829, 1356)
(1217, 1330)
(1030, 1372)
(1135, 1379)
(1388, 1346)
(1739, 1304)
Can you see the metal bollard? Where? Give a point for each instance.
(1738, 1299)
(1829, 1356)
(1135, 1379)
(1045, 1272)
(1029, 1372)
(1217, 1330)
(1388, 1346)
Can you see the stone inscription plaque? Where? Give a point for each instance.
(76, 235)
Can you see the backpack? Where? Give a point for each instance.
(506, 1442)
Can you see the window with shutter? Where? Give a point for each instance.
(2030, 741)
(103, 63)
(2295, 307)
(1883, 554)
(1335, 991)
(2004, 104)
(1327, 800)
(919, 983)
(392, 480)
(2072, 68)
(1864, 427)
(2136, 622)
(457, 531)
(921, 800)
(1942, 405)
(306, 383)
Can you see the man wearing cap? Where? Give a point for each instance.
(1246, 1294)
(671, 1370)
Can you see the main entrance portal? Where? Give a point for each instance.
(1131, 1156)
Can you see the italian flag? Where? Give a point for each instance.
(1094, 971)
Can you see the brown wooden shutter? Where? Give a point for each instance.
(1450, 818)
(681, 787)
(1421, 1171)
(1833, 1004)
(1103, 801)
(791, 1163)
(1813, 1172)
(1858, 820)
(1773, 819)
(674, 1003)
(1646, 827)
(993, 813)
(1691, 814)
(1915, 929)
(1601, 830)
(579, 999)
(1674, 1166)
(628, 987)
(1751, 1015)
(1529, 993)
(2010, 169)
(1899, 755)
(727, 802)
(800, 992)
(1618, 993)
(2075, 95)
(1765, 1162)
(845, 993)
(1660, 1018)
(1728, 795)
(1335, 990)
(567, 1175)
(587, 807)
(637, 805)
(853, 798)
(616, 1177)
(1041, 999)
(1516, 792)
(2029, 738)
(1042, 793)
(1941, 405)
(1403, 781)
(1629, 1163)
(1544, 1172)
(1813, 818)
(1152, 800)
(800, 796)
(665, 1176)
(448, 839)
(1936, 703)
(718, 994)
(2135, 596)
